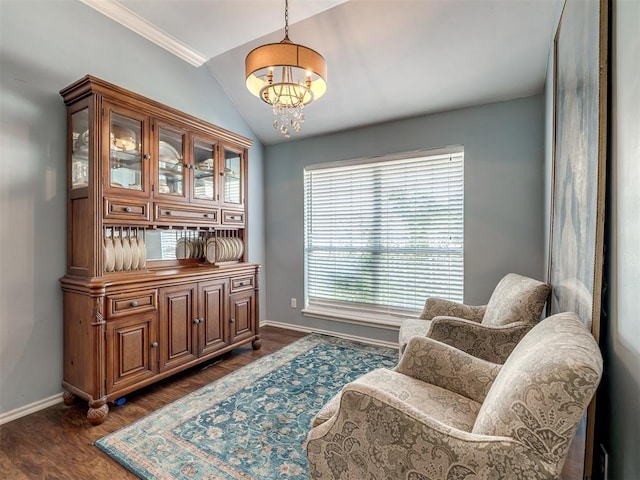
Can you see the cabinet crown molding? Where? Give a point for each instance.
(89, 85)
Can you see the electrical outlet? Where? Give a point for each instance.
(294, 303)
(604, 463)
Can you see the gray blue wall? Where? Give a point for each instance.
(504, 185)
(46, 45)
(619, 412)
(617, 415)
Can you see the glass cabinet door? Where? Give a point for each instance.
(171, 169)
(232, 177)
(128, 165)
(80, 149)
(204, 154)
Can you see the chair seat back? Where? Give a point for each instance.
(544, 387)
(516, 299)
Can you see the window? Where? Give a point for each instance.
(382, 235)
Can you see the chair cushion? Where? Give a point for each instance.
(443, 405)
(516, 299)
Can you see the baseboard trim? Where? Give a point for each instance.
(29, 409)
(57, 398)
(298, 328)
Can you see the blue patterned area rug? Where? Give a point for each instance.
(250, 424)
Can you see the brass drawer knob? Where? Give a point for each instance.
(127, 209)
(134, 303)
(154, 345)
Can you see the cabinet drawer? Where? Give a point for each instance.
(176, 214)
(130, 303)
(242, 283)
(126, 210)
(230, 217)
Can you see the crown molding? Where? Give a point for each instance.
(127, 18)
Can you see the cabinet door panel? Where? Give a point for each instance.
(126, 155)
(204, 187)
(131, 357)
(170, 179)
(213, 327)
(177, 327)
(242, 321)
(81, 148)
(232, 177)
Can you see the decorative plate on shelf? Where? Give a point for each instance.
(196, 249)
(167, 152)
(117, 246)
(206, 164)
(142, 253)
(183, 248)
(135, 256)
(82, 142)
(126, 254)
(123, 138)
(234, 249)
(227, 249)
(210, 250)
(239, 248)
(110, 260)
(220, 250)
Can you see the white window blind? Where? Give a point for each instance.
(383, 235)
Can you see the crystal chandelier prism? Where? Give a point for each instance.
(287, 76)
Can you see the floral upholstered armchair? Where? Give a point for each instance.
(443, 414)
(489, 331)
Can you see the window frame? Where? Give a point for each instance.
(364, 314)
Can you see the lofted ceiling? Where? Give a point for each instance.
(386, 59)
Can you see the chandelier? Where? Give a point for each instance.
(287, 76)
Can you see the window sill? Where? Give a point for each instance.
(368, 319)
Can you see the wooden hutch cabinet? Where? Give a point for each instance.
(157, 275)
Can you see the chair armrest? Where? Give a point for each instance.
(445, 366)
(376, 435)
(493, 344)
(434, 307)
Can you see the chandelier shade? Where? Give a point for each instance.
(274, 66)
(287, 76)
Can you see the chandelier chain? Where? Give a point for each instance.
(286, 18)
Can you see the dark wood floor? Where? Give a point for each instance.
(57, 442)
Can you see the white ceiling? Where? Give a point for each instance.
(386, 59)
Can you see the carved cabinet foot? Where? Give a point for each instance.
(68, 397)
(257, 343)
(98, 411)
